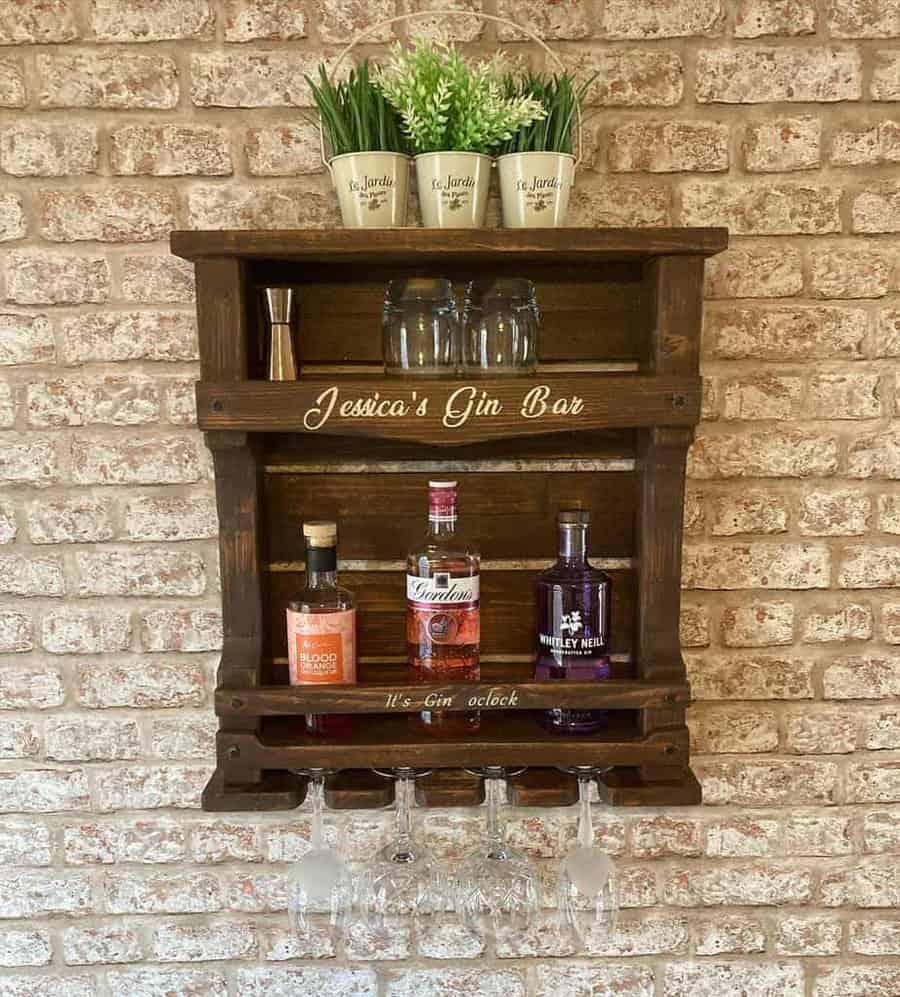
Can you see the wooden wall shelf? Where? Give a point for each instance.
(620, 389)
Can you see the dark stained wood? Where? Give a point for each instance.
(478, 246)
(623, 787)
(449, 788)
(222, 319)
(394, 686)
(507, 611)
(512, 514)
(314, 404)
(358, 789)
(276, 790)
(542, 787)
(507, 739)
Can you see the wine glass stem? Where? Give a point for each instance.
(585, 823)
(404, 789)
(492, 788)
(317, 791)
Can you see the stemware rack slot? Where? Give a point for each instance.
(621, 333)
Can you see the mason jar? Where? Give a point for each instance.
(500, 327)
(420, 327)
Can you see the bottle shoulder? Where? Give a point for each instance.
(563, 574)
(330, 600)
(453, 553)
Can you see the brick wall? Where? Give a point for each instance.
(125, 118)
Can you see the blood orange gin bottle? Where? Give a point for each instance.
(573, 602)
(321, 625)
(443, 617)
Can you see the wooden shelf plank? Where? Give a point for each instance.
(384, 688)
(458, 410)
(381, 246)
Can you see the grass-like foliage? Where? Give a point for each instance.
(449, 105)
(355, 115)
(561, 100)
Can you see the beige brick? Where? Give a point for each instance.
(751, 979)
(759, 75)
(75, 520)
(765, 454)
(77, 740)
(881, 730)
(34, 277)
(758, 624)
(822, 732)
(42, 791)
(38, 576)
(137, 21)
(880, 832)
(25, 947)
(145, 841)
(109, 401)
(18, 738)
(694, 626)
(103, 337)
(152, 684)
(16, 632)
(187, 738)
(157, 461)
(567, 21)
(162, 518)
(204, 943)
(101, 945)
(28, 461)
(885, 83)
(170, 150)
(151, 279)
(151, 982)
(149, 787)
(822, 332)
(144, 572)
(243, 207)
(756, 18)
(39, 894)
(862, 677)
(50, 986)
(12, 218)
(282, 150)
(72, 630)
(269, 981)
(25, 339)
(749, 677)
(763, 396)
(754, 272)
(762, 208)
(859, 19)
(749, 512)
(181, 630)
(629, 77)
(856, 981)
(731, 935)
(654, 837)
(256, 893)
(12, 82)
(742, 837)
(877, 208)
(181, 401)
(808, 936)
(270, 78)
(617, 203)
(870, 145)
(668, 147)
(24, 843)
(341, 20)
(870, 567)
(649, 936)
(114, 215)
(890, 622)
(873, 782)
(35, 149)
(889, 513)
(768, 783)
(818, 834)
(265, 20)
(27, 687)
(38, 22)
(874, 937)
(834, 513)
(783, 144)
(852, 272)
(852, 621)
(660, 19)
(749, 885)
(8, 525)
(107, 80)
(874, 456)
(221, 841)
(725, 731)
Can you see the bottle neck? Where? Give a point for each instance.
(441, 525)
(321, 567)
(573, 544)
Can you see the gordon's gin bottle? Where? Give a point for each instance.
(321, 624)
(443, 626)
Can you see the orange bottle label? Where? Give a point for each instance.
(321, 647)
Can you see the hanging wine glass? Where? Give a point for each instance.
(496, 886)
(318, 883)
(586, 888)
(402, 884)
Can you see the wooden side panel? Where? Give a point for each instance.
(511, 515)
(222, 319)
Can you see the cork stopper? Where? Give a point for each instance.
(320, 533)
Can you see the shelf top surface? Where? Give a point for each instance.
(405, 244)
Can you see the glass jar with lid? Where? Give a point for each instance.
(420, 327)
(500, 327)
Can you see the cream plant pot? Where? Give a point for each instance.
(453, 188)
(372, 188)
(534, 188)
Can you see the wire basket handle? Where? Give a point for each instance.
(412, 15)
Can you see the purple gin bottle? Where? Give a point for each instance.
(573, 622)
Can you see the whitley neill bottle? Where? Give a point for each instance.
(443, 625)
(573, 621)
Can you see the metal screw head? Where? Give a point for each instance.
(679, 401)
(669, 697)
(669, 749)
(237, 704)
(218, 405)
(233, 751)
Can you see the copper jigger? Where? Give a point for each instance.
(280, 309)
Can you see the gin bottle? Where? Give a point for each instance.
(573, 622)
